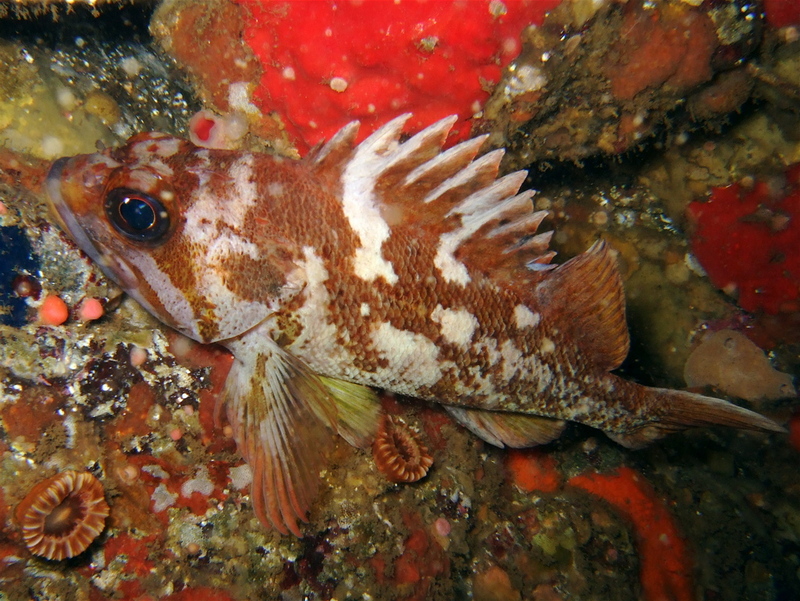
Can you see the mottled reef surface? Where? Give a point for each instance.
(709, 514)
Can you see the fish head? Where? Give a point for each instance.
(167, 221)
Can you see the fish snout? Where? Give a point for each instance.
(71, 202)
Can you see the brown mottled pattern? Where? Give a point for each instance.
(298, 208)
(371, 264)
(315, 220)
(177, 256)
(306, 214)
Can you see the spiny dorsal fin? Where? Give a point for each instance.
(482, 223)
(586, 293)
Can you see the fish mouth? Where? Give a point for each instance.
(63, 214)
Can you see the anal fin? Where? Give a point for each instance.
(586, 293)
(515, 430)
(283, 419)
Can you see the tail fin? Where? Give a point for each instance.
(678, 410)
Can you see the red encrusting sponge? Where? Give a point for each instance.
(326, 64)
(747, 240)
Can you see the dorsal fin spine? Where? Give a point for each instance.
(537, 244)
(480, 202)
(460, 153)
(488, 162)
(476, 220)
(386, 136)
(527, 224)
(344, 136)
(432, 136)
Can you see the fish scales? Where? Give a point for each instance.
(387, 264)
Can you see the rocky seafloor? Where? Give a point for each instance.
(708, 514)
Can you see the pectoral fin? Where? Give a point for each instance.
(284, 423)
(515, 430)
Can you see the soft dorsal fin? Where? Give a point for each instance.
(586, 294)
(482, 222)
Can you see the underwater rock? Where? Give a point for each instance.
(730, 362)
(602, 82)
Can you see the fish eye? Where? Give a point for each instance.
(137, 215)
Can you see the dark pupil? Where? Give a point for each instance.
(137, 213)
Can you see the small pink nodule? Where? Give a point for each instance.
(90, 309)
(442, 527)
(53, 311)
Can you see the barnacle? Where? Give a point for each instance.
(62, 515)
(399, 453)
(210, 130)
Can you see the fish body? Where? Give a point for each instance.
(386, 264)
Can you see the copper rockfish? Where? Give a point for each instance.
(386, 264)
